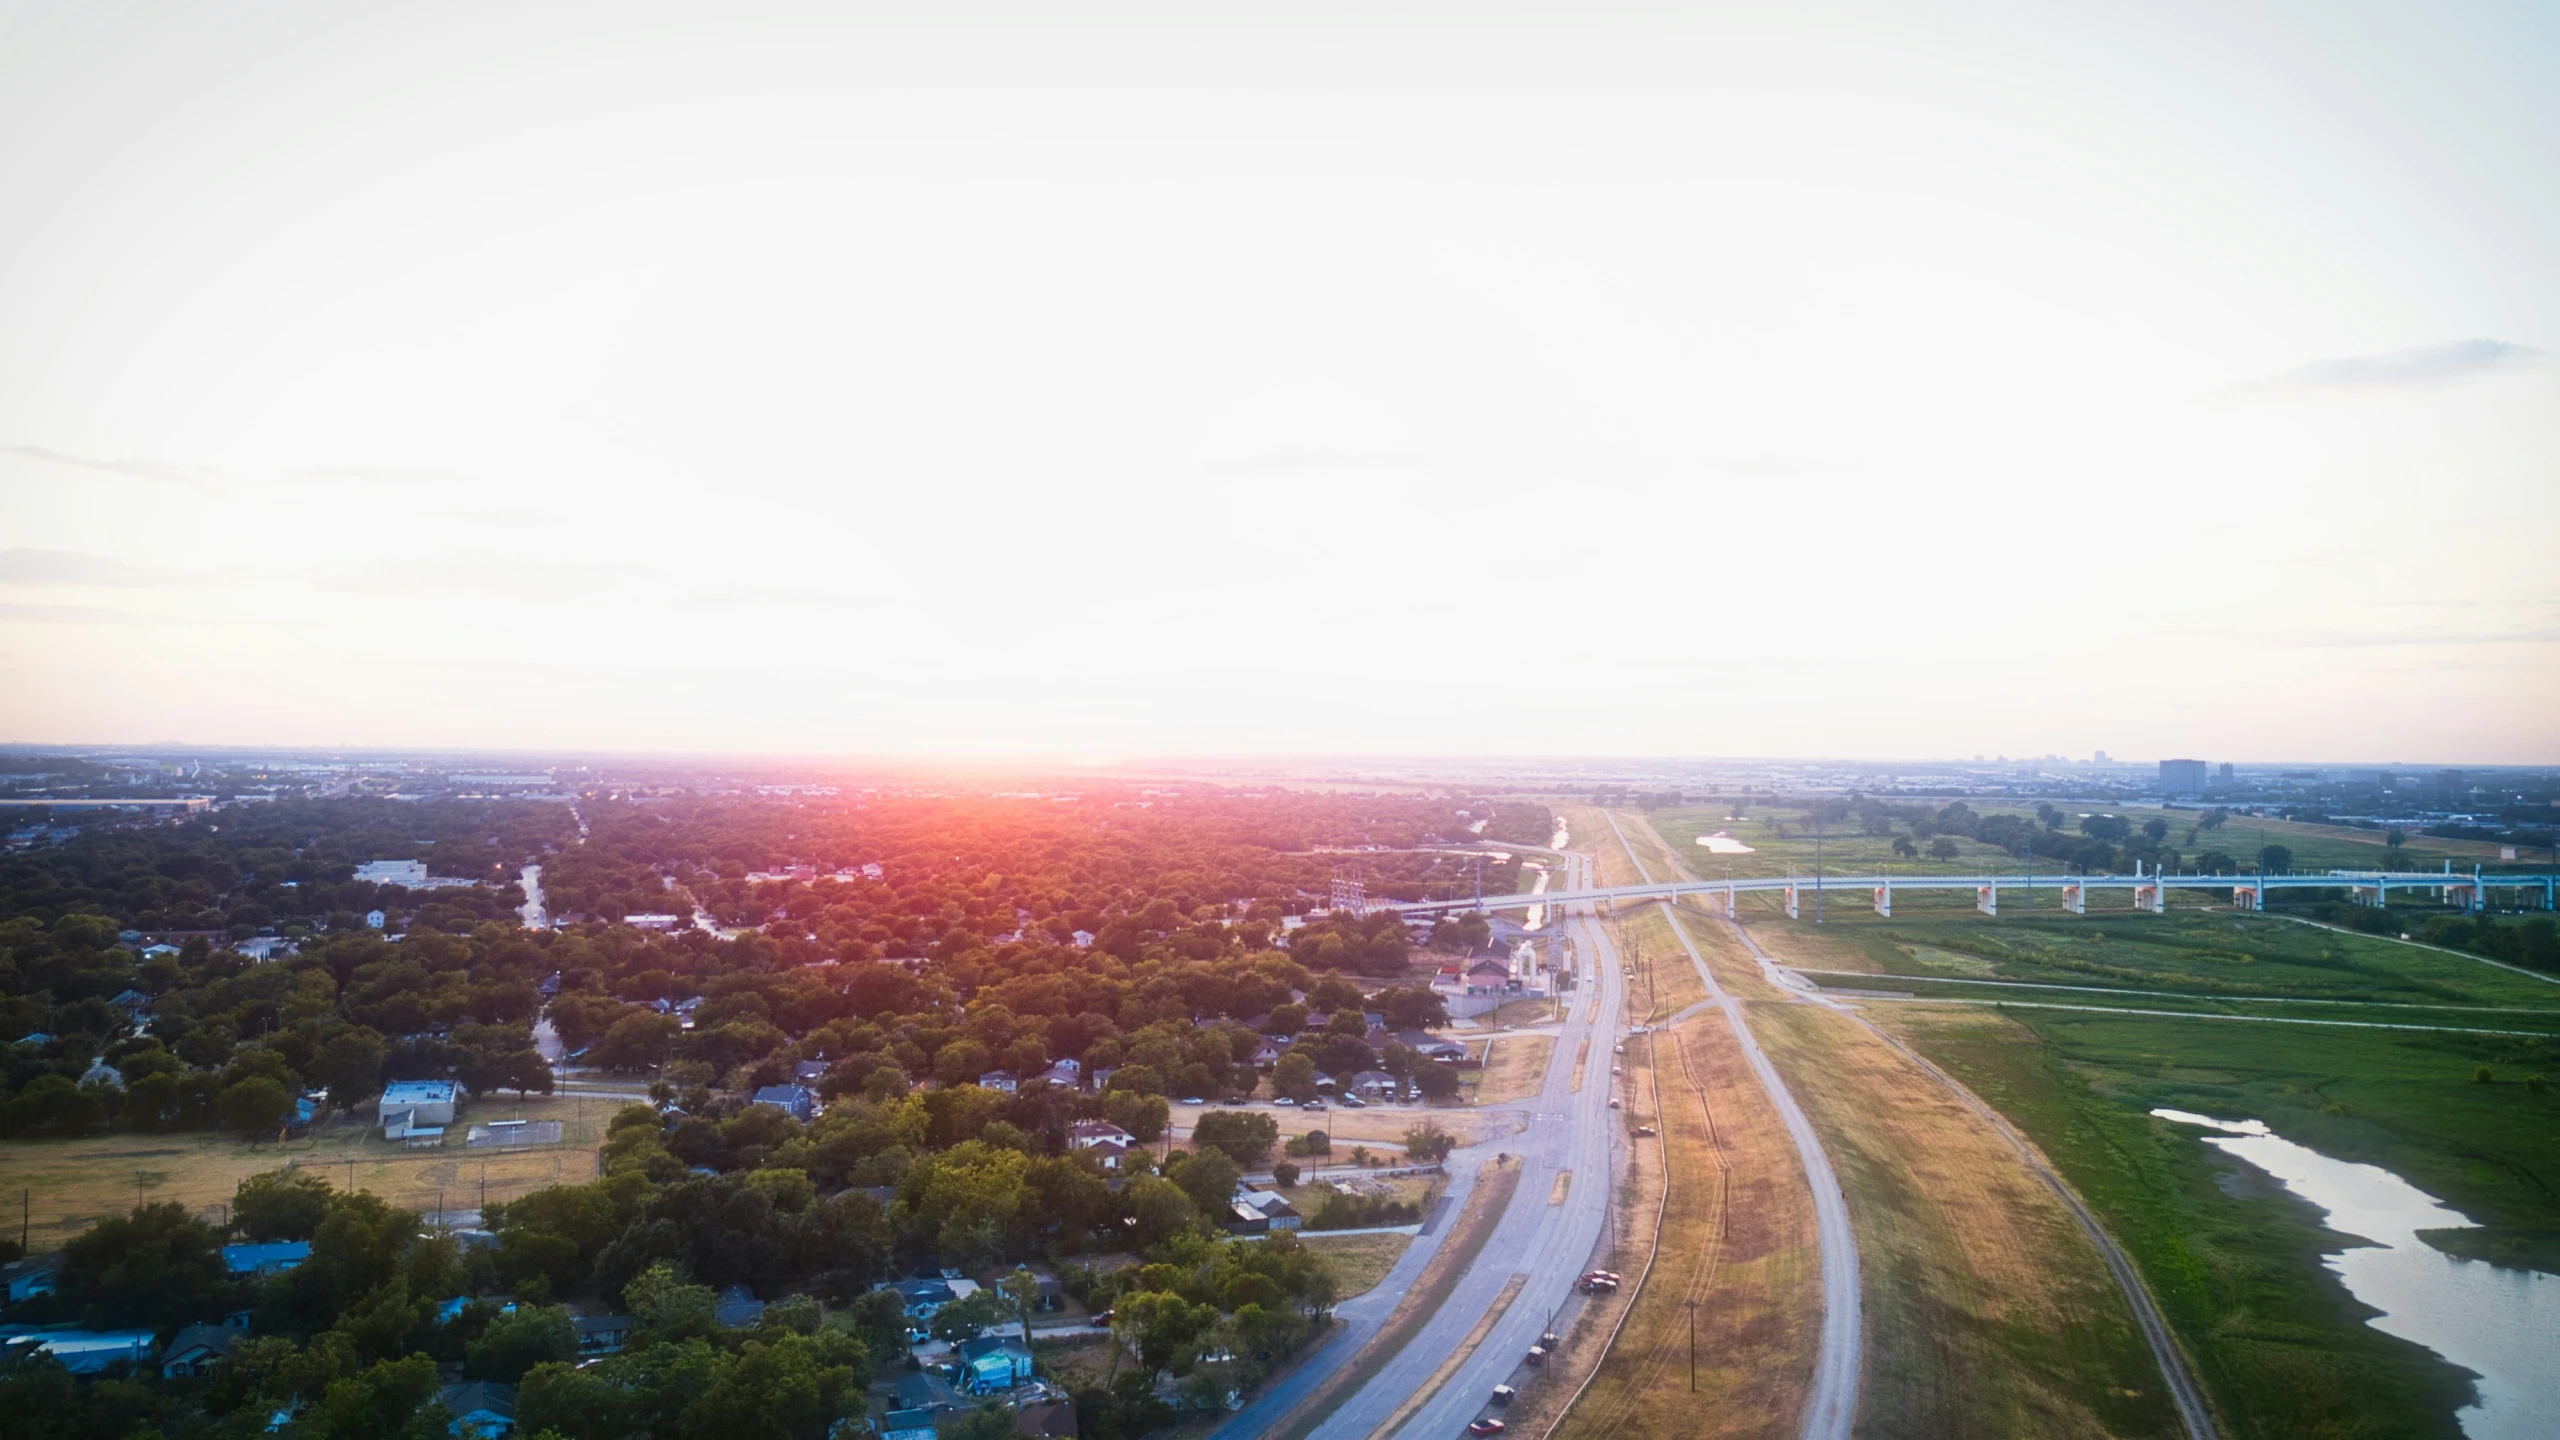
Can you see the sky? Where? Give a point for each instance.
(1120, 380)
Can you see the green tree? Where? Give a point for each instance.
(963, 1318)
(1294, 1077)
(1286, 1173)
(636, 1042)
(514, 1344)
(253, 1105)
(154, 1267)
(1428, 1142)
(2275, 859)
(280, 1205)
(1207, 1178)
(1021, 1292)
(1246, 1136)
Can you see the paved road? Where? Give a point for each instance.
(1832, 1405)
(1550, 1244)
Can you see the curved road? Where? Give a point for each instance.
(1833, 1403)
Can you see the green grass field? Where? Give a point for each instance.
(2233, 1259)
(1842, 851)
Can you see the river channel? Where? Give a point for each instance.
(2500, 1324)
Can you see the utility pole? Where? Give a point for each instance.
(1817, 874)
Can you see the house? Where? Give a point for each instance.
(1488, 977)
(1107, 1153)
(272, 1258)
(922, 1297)
(1276, 1212)
(88, 1352)
(1084, 1134)
(1053, 1421)
(738, 1308)
(1243, 1219)
(1376, 1085)
(195, 1350)
(1430, 1046)
(480, 1408)
(1065, 1075)
(408, 1105)
(808, 1072)
(602, 1334)
(908, 1425)
(31, 1277)
(798, 1101)
(1004, 1080)
(992, 1363)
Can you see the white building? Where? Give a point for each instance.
(416, 1105)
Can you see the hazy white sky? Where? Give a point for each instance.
(1721, 380)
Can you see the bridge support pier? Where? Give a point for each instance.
(1986, 898)
(2075, 898)
(1884, 900)
(2247, 897)
(2370, 895)
(1793, 913)
(2153, 897)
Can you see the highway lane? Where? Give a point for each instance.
(1552, 1244)
(1549, 1244)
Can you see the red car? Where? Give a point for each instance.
(1487, 1426)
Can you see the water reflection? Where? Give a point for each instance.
(2500, 1324)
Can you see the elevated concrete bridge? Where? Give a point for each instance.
(2147, 891)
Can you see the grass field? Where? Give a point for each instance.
(1842, 851)
(1359, 1261)
(1515, 1069)
(1736, 1236)
(70, 1185)
(2233, 1260)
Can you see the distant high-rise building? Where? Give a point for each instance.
(2182, 777)
(2100, 758)
(2225, 772)
(2452, 782)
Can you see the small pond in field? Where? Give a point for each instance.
(1721, 843)
(2502, 1325)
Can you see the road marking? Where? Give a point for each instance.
(1431, 1385)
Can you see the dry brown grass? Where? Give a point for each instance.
(1610, 863)
(1358, 1262)
(1515, 1068)
(72, 1184)
(1988, 1310)
(1665, 982)
(1736, 1235)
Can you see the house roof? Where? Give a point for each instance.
(476, 1397)
(212, 1339)
(1054, 1421)
(274, 1255)
(987, 1345)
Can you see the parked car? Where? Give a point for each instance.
(1504, 1394)
(1487, 1426)
(1352, 1102)
(1613, 1103)
(1646, 1130)
(1193, 1100)
(1312, 1105)
(1284, 1100)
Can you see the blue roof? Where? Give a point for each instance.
(274, 1255)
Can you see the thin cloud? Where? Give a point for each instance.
(2421, 367)
(25, 566)
(1291, 459)
(535, 580)
(210, 478)
(2328, 639)
(73, 615)
(193, 477)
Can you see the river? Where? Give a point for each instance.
(2497, 1323)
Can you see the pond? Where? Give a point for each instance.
(2497, 1323)
(1721, 843)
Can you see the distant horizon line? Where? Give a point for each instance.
(1086, 762)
